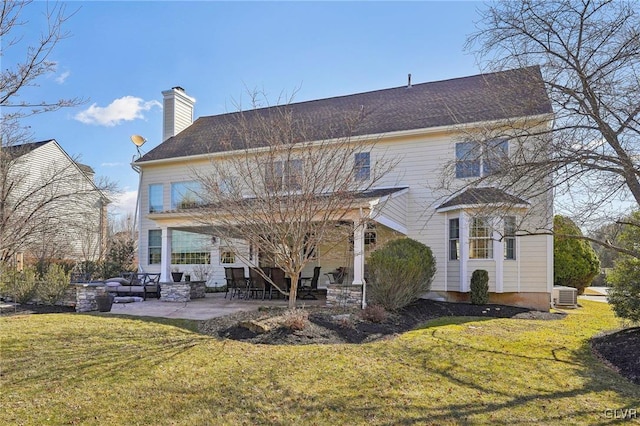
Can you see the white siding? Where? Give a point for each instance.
(421, 160)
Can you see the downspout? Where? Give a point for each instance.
(137, 212)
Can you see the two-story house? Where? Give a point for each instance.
(51, 206)
(429, 196)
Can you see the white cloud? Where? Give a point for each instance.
(111, 164)
(127, 108)
(124, 204)
(63, 77)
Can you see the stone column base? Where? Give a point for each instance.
(175, 292)
(344, 295)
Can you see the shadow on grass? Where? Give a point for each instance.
(186, 324)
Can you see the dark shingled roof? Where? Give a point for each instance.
(16, 151)
(494, 96)
(482, 196)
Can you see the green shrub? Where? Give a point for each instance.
(575, 263)
(479, 287)
(624, 293)
(22, 287)
(54, 284)
(399, 272)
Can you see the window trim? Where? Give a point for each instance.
(154, 247)
(510, 253)
(481, 246)
(362, 169)
(195, 190)
(454, 239)
(153, 207)
(476, 161)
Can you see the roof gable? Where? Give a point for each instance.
(483, 97)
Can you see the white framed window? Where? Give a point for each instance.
(155, 246)
(474, 159)
(227, 256)
(284, 175)
(370, 235)
(155, 198)
(362, 166)
(480, 238)
(185, 195)
(510, 237)
(189, 248)
(454, 239)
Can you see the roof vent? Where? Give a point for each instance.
(409, 80)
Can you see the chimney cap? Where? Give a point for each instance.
(178, 88)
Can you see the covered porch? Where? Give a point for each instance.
(188, 246)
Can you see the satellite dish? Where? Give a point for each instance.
(138, 140)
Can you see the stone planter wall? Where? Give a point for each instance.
(86, 296)
(344, 295)
(198, 289)
(175, 292)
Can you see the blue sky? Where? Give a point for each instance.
(121, 55)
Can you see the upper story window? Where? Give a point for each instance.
(283, 175)
(454, 239)
(480, 238)
(155, 198)
(475, 160)
(362, 166)
(185, 195)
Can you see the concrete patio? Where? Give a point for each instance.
(212, 306)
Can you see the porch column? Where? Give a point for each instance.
(358, 253)
(165, 256)
(465, 285)
(498, 256)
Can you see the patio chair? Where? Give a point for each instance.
(256, 283)
(337, 276)
(240, 281)
(307, 291)
(231, 289)
(278, 278)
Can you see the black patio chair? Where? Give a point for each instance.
(240, 282)
(256, 284)
(307, 291)
(278, 278)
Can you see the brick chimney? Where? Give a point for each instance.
(178, 111)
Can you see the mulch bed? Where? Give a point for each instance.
(621, 350)
(334, 326)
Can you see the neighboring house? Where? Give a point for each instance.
(51, 206)
(424, 126)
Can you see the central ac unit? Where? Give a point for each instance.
(565, 296)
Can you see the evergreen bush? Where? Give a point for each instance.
(54, 284)
(399, 273)
(479, 287)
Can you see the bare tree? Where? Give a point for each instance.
(589, 56)
(282, 188)
(36, 62)
(39, 206)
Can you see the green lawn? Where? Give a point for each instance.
(91, 369)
